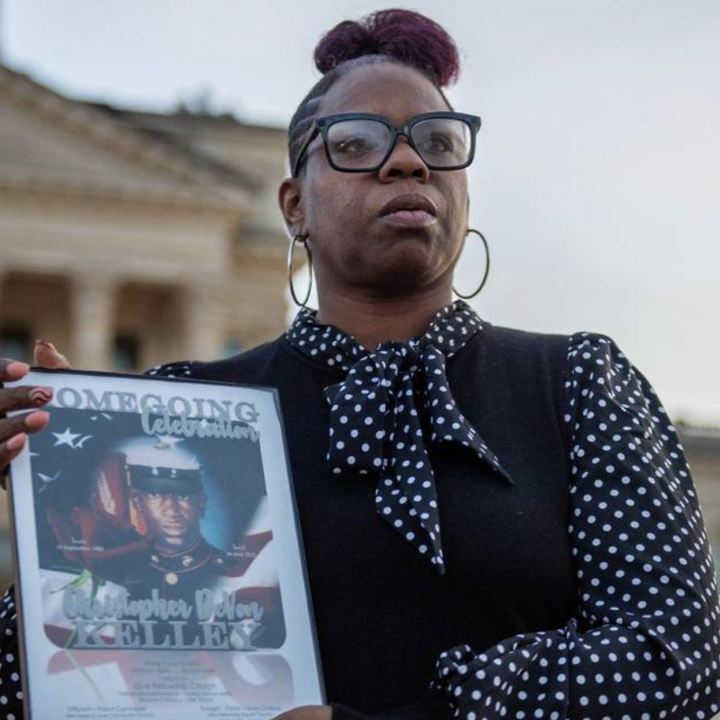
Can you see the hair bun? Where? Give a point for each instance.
(405, 35)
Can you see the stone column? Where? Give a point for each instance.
(92, 310)
(202, 321)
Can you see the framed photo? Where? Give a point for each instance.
(158, 555)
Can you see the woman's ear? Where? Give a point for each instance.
(290, 201)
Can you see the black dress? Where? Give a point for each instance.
(586, 589)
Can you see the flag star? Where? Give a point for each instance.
(166, 441)
(66, 438)
(49, 478)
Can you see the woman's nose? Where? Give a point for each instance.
(404, 162)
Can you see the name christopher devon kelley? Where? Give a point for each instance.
(211, 623)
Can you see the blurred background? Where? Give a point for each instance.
(141, 146)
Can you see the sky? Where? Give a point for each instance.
(597, 178)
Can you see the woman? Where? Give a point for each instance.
(497, 523)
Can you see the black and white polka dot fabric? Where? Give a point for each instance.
(172, 370)
(377, 413)
(644, 642)
(11, 695)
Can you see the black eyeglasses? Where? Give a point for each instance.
(362, 142)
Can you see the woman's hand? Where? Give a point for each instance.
(14, 430)
(307, 712)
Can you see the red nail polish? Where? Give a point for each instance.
(17, 368)
(40, 395)
(16, 442)
(37, 419)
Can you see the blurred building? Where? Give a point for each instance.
(131, 238)
(702, 447)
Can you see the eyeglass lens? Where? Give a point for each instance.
(363, 143)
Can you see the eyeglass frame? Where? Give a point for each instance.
(323, 124)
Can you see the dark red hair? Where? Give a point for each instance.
(404, 35)
(398, 36)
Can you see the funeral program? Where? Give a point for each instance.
(159, 562)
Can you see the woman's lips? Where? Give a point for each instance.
(409, 218)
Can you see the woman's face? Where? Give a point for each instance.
(355, 247)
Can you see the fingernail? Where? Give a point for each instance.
(35, 420)
(40, 341)
(40, 395)
(16, 442)
(18, 369)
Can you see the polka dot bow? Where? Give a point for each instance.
(378, 413)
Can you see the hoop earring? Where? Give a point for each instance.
(302, 239)
(487, 266)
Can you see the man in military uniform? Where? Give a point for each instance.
(171, 504)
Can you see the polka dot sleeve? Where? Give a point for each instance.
(10, 687)
(645, 641)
